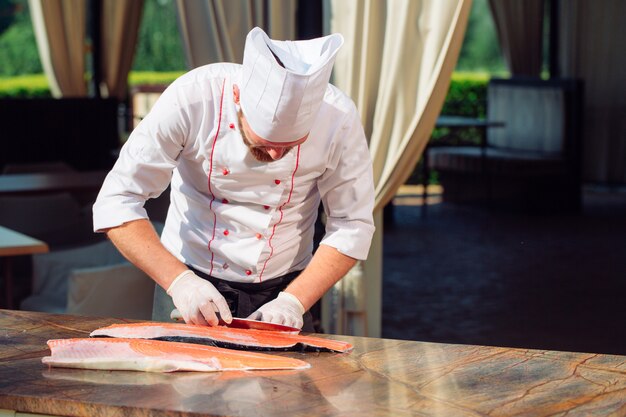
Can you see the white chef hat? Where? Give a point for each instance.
(281, 103)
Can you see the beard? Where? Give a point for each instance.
(259, 154)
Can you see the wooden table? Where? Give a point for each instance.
(51, 182)
(379, 378)
(13, 243)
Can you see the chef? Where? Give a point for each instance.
(249, 152)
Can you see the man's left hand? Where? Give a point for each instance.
(285, 309)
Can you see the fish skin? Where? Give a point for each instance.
(245, 339)
(158, 356)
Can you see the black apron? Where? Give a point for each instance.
(243, 298)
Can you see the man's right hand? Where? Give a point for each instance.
(195, 298)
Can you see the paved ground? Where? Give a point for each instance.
(476, 276)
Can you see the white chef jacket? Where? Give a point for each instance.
(231, 216)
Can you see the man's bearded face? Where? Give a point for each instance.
(263, 152)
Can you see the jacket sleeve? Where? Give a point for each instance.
(347, 192)
(144, 167)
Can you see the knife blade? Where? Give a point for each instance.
(239, 323)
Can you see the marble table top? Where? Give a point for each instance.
(380, 377)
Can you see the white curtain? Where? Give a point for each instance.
(60, 32)
(59, 27)
(215, 30)
(591, 46)
(120, 26)
(520, 33)
(396, 64)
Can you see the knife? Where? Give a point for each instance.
(238, 323)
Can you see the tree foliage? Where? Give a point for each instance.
(18, 49)
(25, 86)
(159, 46)
(481, 50)
(7, 14)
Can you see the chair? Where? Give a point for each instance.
(91, 280)
(532, 163)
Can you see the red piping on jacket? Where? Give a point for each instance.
(219, 125)
(280, 209)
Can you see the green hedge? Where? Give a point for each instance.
(137, 78)
(466, 96)
(24, 86)
(36, 85)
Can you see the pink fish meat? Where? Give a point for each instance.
(248, 339)
(158, 356)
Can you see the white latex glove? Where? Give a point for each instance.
(285, 309)
(198, 300)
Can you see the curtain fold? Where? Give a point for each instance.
(591, 46)
(215, 30)
(60, 32)
(120, 28)
(396, 64)
(520, 32)
(59, 27)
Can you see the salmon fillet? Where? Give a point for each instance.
(158, 356)
(247, 339)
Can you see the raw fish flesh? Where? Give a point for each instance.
(247, 339)
(158, 356)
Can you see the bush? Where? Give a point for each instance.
(151, 77)
(24, 86)
(467, 95)
(36, 85)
